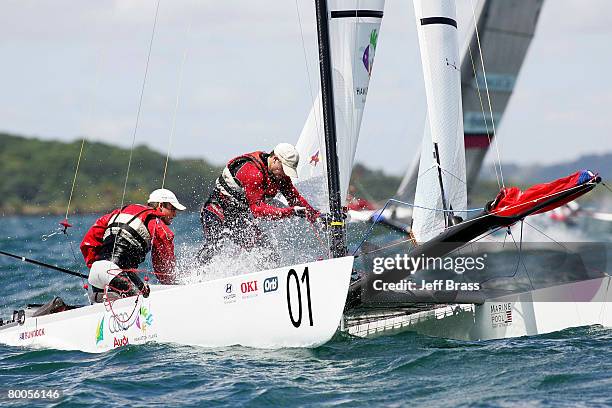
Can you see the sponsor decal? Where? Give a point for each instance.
(120, 342)
(144, 338)
(501, 314)
(314, 159)
(100, 331)
(270, 284)
(230, 296)
(249, 289)
(119, 322)
(368, 53)
(31, 334)
(144, 319)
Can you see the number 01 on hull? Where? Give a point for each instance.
(294, 306)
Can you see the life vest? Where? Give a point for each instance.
(228, 184)
(127, 239)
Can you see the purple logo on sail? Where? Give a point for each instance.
(368, 53)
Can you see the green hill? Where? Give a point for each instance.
(37, 176)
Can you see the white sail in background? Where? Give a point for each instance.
(354, 27)
(441, 180)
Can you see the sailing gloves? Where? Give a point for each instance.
(299, 211)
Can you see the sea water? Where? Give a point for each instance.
(568, 368)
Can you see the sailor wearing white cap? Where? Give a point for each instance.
(119, 241)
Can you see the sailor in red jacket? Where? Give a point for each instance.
(241, 193)
(121, 240)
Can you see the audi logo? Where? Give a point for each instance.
(119, 322)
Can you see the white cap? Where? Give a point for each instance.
(162, 195)
(289, 158)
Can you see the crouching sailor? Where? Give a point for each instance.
(121, 240)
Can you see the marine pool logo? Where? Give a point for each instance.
(368, 53)
(501, 314)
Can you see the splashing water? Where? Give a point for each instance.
(293, 241)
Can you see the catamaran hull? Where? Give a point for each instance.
(540, 311)
(297, 306)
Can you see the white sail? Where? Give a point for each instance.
(505, 31)
(441, 180)
(354, 27)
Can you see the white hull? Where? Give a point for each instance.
(585, 303)
(258, 309)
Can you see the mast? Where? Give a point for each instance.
(338, 239)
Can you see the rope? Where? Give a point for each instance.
(310, 88)
(76, 171)
(109, 302)
(144, 82)
(606, 186)
(176, 104)
(387, 246)
(484, 73)
(315, 108)
(101, 58)
(435, 209)
(484, 116)
(379, 216)
(548, 236)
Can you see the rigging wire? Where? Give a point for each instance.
(380, 212)
(176, 104)
(484, 74)
(548, 236)
(91, 110)
(315, 107)
(144, 82)
(484, 116)
(76, 171)
(310, 88)
(606, 186)
(511, 207)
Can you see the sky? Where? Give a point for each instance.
(227, 77)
